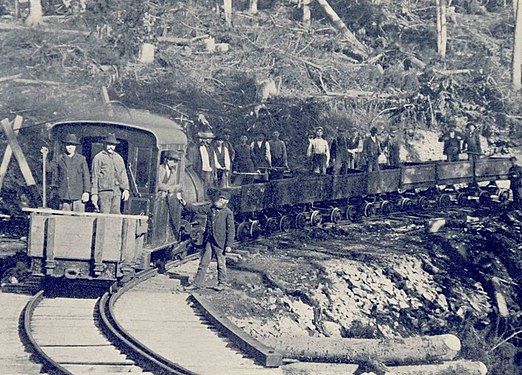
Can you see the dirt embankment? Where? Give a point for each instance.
(383, 280)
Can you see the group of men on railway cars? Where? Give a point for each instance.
(456, 143)
(106, 184)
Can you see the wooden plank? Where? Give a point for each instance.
(108, 239)
(70, 243)
(49, 211)
(8, 153)
(18, 153)
(49, 249)
(264, 354)
(35, 246)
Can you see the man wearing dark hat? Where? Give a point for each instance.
(515, 178)
(278, 154)
(371, 150)
(319, 151)
(217, 238)
(261, 154)
(452, 143)
(339, 153)
(223, 162)
(226, 136)
(110, 184)
(471, 142)
(169, 186)
(70, 174)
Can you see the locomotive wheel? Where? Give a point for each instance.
(271, 225)
(462, 198)
(503, 195)
(350, 213)
(423, 203)
(285, 223)
(369, 209)
(385, 208)
(255, 229)
(444, 200)
(300, 220)
(335, 215)
(484, 198)
(316, 218)
(243, 231)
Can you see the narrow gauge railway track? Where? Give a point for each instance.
(14, 357)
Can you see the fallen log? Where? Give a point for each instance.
(461, 367)
(416, 349)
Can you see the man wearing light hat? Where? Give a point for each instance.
(319, 151)
(110, 184)
(70, 174)
(169, 186)
(217, 238)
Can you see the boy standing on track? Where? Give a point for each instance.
(217, 238)
(110, 184)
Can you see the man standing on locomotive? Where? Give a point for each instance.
(515, 178)
(218, 238)
(170, 188)
(110, 184)
(319, 151)
(70, 174)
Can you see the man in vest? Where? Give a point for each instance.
(70, 174)
(223, 162)
(110, 184)
(471, 142)
(261, 154)
(371, 150)
(203, 159)
(169, 187)
(217, 238)
(319, 152)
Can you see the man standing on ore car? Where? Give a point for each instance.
(452, 143)
(110, 184)
(515, 178)
(371, 150)
(319, 152)
(71, 175)
(169, 187)
(217, 238)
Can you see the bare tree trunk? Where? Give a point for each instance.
(340, 25)
(442, 34)
(253, 6)
(306, 13)
(35, 17)
(517, 49)
(228, 12)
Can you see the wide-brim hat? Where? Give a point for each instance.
(205, 135)
(71, 139)
(110, 139)
(171, 155)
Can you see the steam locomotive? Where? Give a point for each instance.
(96, 246)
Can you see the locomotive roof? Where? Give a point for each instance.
(165, 130)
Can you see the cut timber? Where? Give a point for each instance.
(340, 25)
(227, 4)
(407, 350)
(306, 13)
(253, 6)
(8, 151)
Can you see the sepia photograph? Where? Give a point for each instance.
(272, 187)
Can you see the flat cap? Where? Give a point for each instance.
(172, 155)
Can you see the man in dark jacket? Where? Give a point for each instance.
(169, 186)
(471, 142)
(515, 178)
(371, 150)
(339, 153)
(217, 238)
(70, 174)
(452, 143)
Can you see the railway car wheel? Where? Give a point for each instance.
(285, 223)
(484, 198)
(385, 208)
(444, 200)
(503, 195)
(255, 229)
(350, 213)
(271, 225)
(406, 204)
(462, 198)
(316, 218)
(335, 215)
(243, 231)
(423, 203)
(369, 209)
(300, 220)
